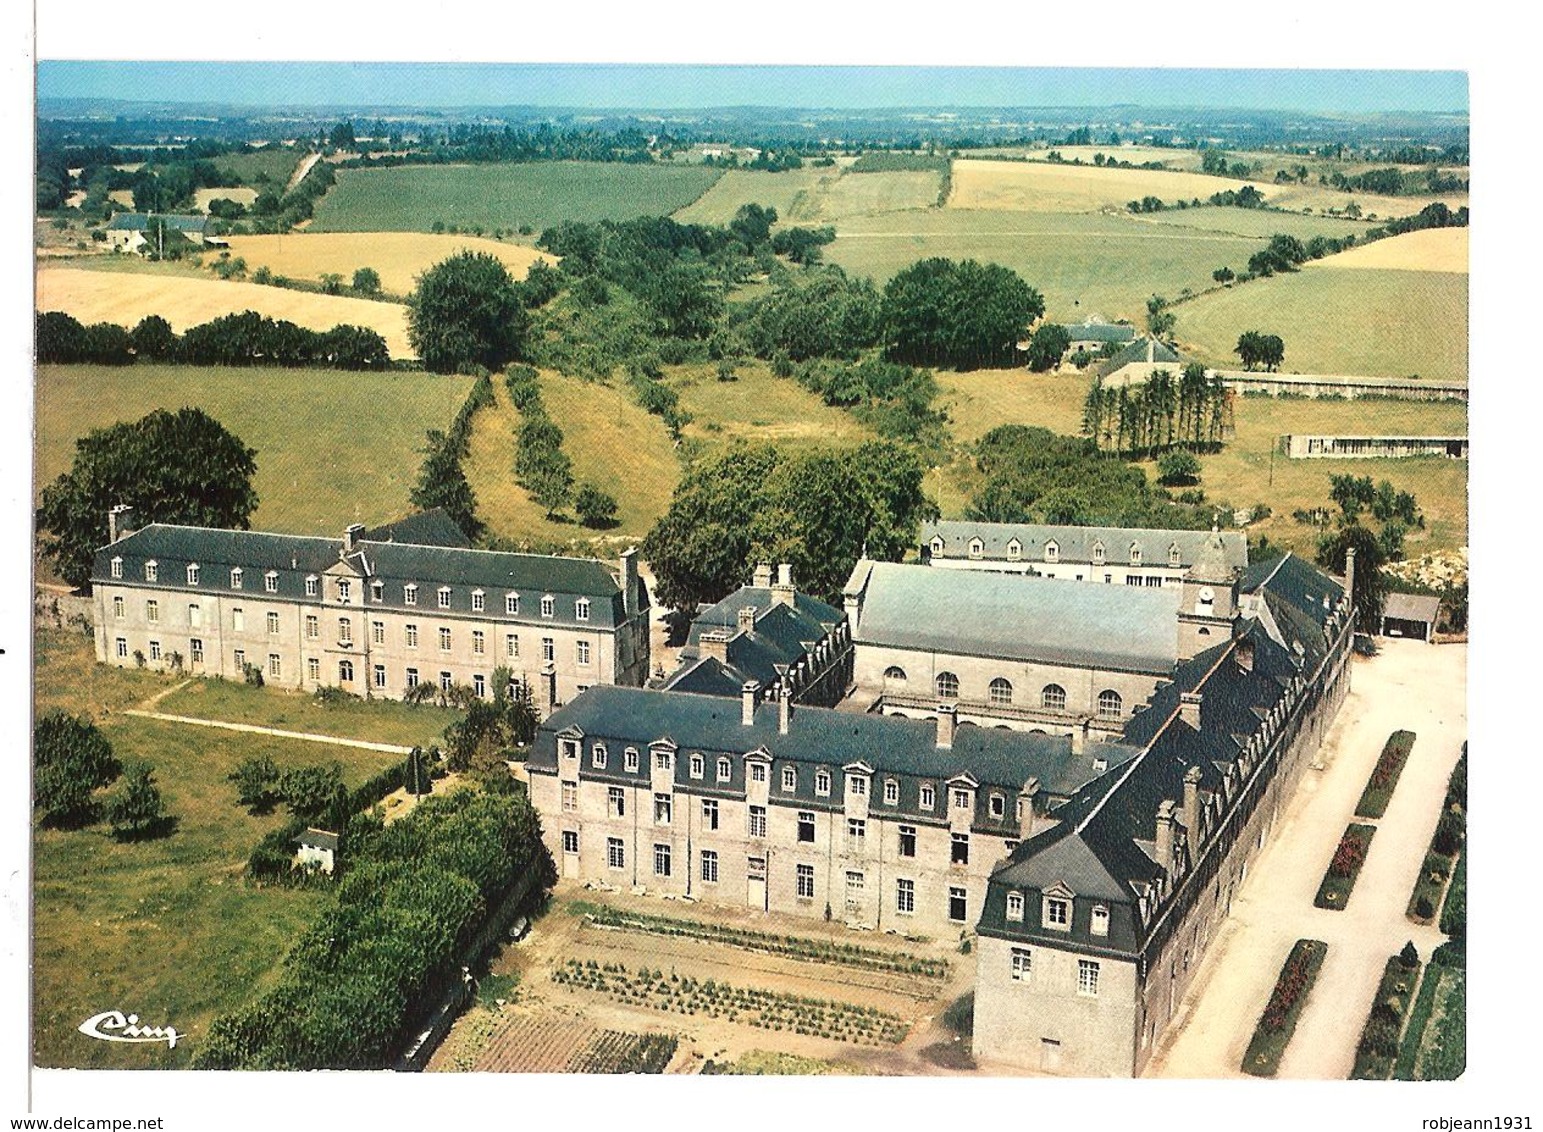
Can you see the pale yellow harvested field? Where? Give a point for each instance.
(1433, 249)
(125, 197)
(202, 197)
(1029, 186)
(1135, 154)
(1320, 198)
(399, 257)
(125, 298)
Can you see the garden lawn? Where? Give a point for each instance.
(333, 448)
(166, 928)
(413, 198)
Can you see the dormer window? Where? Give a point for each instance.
(581, 609)
(1015, 906)
(1014, 550)
(961, 798)
(789, 779)
(410, 593)
(725, 770)
(313, 585)
(1100, 921)
(757, 772)
(1098, 554)
(927, 798)
(192, 573)
(377, 591)
(479, 601)
(444, 597)
(1052, 551)
(857, 785)
(891, 792)
(271, 582)
(548, 605)
(1058, 913)
(937, 544)
(977, 548)
(511, 604)
(822, 783)
(630, 759)
(235, 578)
(345, 590)
(117, 568)
(1173, 555)
(1135, 554)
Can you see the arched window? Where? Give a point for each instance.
(1110, 706)
(1000, 692)
(894, 676)
(1098, 554)
(1053, 697)
(947, 685)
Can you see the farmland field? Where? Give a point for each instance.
(125, 297)
(1433, 249)
(399, 257)
(863, 194)
(306, 425)
(413, 198)
(202, 197)
(1187, 160)
(271, 163)
(1372, 322)
(760, 407)
(1321, 198)
(1032, 186)
(168, 928)
(1254, 222)
(738, 187)
(1082, 264)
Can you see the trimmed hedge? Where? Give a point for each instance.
(1287, 1001)
(1385, 775)
(1349, 856)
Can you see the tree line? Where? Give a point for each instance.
(441, 478)
(244, 339)
(1139, 420)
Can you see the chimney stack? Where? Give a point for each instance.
(351, 537)
(948, 723)
(629, 580)
(1350, 576)
(1189, 709)
(549, 685)
(715, 643)
(1165, 838)
(747, 619)
(1026, 799)
(762, 577)
(784, 712)
(1192, 808)
(747, 698)
(782, 592)
(121, 522)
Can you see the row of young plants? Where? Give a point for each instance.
(1287, 1001)
(1339, 879)
(768, 1010)
(1384, 776)
(615, 1051)
(789, 946)
(442, 479)
(1378, 1048)
(1446, 843)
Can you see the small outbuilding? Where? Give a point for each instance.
(316, 849)
(1410, 615)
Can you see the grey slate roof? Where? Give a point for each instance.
(976, 613)
(140, 222)
(1075, 544)
(781, 636)
(1137, 352)
(1411, 607)
(317, 839)
(1297, 601)
(295, 557)
(1099, 331)
(424, 528)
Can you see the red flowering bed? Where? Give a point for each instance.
(1279, 1020)
(1379, 787)
(1345, 865)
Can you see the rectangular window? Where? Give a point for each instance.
(1087, 977)
(630, 760)
(240, 659)
(757, 772)
(597, 756)
(891, 792)
(905, 895)
(345, 672)
(908, 841)
(857, 785)
(412, 677)
(380, 675)
(117, 567)
(615, 853)
(725, 770)
(616, 802)
(479, 642)
(444, 597)
(195, 616)
(511, 604)
(710, 813)
(663, 761)
(511, 645)
(928, 796)
(998, 806)
(697, 765)
(855, 886)
(709, 866)
(273, 623)
(313, 668)
(312, 586)
(479, 601)
(273, 664)
(661, 860)
(236, 578)
(581, 609)
(956, 904)
(196, 651)
(152, 571)
(1057, 914)
(237, 621)
(118, 607)
(152, 611)
(570, 796)
(271, 582)
(1015, 906)
(789, 779)
(377, 591)
(193, 574)
(1100, 921)
(961, 799)
(123, 647)
(960, 850)
(345, 631)
(664, 808)
(548, 606)
(410, 594)
(446, 681)
(155, 650)
(312, 627)
(444, 639)
(1022, 962)
(822, 783)
(479, 685)
(857, 835)
(378, 632)
(581, 652)
(757, 821)
(570, 841)
(805, 882)
(548, 649)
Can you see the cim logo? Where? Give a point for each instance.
(113, 1026)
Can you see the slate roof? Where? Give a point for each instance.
(1162, 354)
(781, 636)
(433, 527)
(1099, 331)
(1293, 601)
(317, 839)
(293, 558)
(1411, 607)
(1075, 544)
(140, 222)
(976, 613)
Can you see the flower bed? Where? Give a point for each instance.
(769, 1010)
(788, 946)
(1344, 867)
(1446, 844)
(1384, 776)
(1279, 1020)
(1377, 1050)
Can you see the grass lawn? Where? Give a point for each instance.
(1434, 1047)
(1370, 322)
(1083, 264)
(332, 448)
(613, 444)
(272, 164)
(1254, 222)
(167, 929)
(760, 407)
(412, 198)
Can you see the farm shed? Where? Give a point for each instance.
(1410, 615)
(316, 849)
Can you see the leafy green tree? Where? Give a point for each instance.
(342, 136)
(134, 809)
(1371, 585)
(684, 301)
(963, 314)
(802, 245)
(813, 315)
(72, 759)
(60, 338)
(314, 793)
(153, 338)
(594, 507)
(467, 310)
(180, 467)
(1178, 469)
(1048, 346)
(442, 483)
(257, 783)
(752, 224)
(367, 281)
(1256, 349)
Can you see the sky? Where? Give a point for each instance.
(692, 87)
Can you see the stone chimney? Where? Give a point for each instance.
(784, 712)
(629, 580)
(747, 619)
(1189, 708)
(762, 577)
(782, 592)
(1350, 575)
(1192, 808)
(1026, 798)
(549, 686)
(351, 537)
(121, 522)
(948, 723)
(1244, 652)
(1165, 856)
(747, 698)
(1151, 351)
(715, 643)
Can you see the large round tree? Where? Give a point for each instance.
(181, 467)
(962, 314)
(465, 311)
